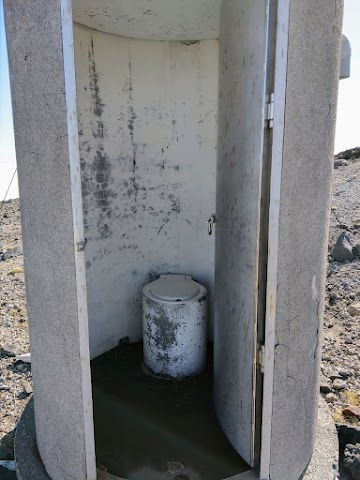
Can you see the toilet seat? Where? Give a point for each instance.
(174, 288)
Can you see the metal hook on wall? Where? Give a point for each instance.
(210, 223)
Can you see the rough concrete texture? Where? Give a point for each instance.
(241, 89)
(324, 461)
(154, 20)
(28, 462)
(312, 83)
(147, 132)
(39, 108)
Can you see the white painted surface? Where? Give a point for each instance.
(282, 34)
(151, 19)
(175, 331)
(241, 124)
(78, 228)
(148, 136)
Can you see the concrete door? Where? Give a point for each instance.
(243, 50)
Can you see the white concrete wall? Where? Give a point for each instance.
(309, 125)
(147, 126)
(48, 165)
(241, 131)
(151, 20)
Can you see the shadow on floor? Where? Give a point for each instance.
(163, 428)
(7, 453)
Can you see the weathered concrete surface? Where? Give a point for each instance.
(154, 20)
(28, 462)
(60, 363)
(311, 97)
(325, 458)
(240, 139)
(147, 131)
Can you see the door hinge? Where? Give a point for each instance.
(270, 111)
(261, 358)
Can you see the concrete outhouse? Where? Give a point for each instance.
(136, 123)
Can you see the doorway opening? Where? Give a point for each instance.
(171, 132)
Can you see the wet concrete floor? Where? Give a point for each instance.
(152, 429)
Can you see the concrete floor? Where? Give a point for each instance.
(147, 428)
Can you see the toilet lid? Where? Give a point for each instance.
(174, 287)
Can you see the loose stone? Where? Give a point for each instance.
(331, 398)
(343, 250)
(351, 411)
(339, 384)
(352, 460)
(354, 309)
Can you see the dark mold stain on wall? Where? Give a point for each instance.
(161, 331)
(131, 126)
(116, 185)
(97, 105)
(96, 171)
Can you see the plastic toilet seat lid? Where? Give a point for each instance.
(174, 287)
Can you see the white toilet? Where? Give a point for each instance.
(175, 326)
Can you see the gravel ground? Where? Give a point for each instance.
(340, 369)
(340, 379)
(15, 377)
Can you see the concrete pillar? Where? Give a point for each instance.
(51, 214)
(310, 113)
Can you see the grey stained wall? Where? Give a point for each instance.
(151, 20)
(240, 155)
(59, 346)
(148, 135)
(311, 96)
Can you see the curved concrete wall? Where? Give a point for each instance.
(151, 20)
(310, 113)
(240, 158)
(147, 126)
(51, 217)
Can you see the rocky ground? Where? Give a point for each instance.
(15, 376)
(340, 369)
(340, 380)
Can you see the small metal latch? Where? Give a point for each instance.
(261, 357)
(210, 223)
(270, 111)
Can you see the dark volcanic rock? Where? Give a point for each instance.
(343, 250)
(352, 460)
(351, 154)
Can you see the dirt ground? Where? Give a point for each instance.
(15, 377)
(340, 380)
